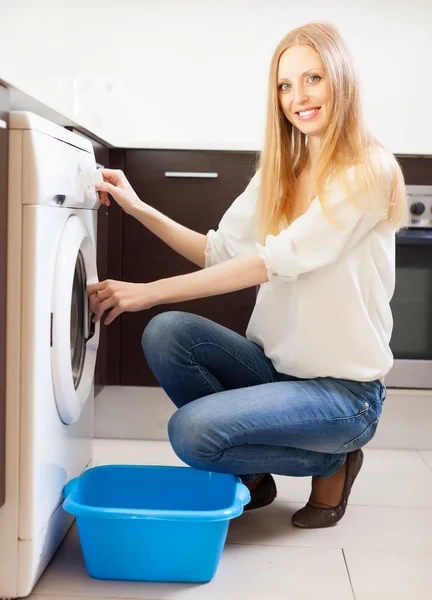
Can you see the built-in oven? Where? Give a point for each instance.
(411, 341)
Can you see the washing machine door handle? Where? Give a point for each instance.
(90, 324)
(91, 327)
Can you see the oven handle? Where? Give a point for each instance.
(414, 236)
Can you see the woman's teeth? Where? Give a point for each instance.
(307, 114)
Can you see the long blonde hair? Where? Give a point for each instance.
(345, 142)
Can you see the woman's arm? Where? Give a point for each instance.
(186, 242)
(232, 275)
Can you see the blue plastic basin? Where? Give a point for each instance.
(147, 523)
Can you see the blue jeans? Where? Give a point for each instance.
(236, 414)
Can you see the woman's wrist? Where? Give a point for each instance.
(154, 291)
(139, 210)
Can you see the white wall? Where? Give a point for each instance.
(193, 73)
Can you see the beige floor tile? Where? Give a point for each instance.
(393, 478)
(363, 527)
(254, 572)
(427, 457)
(132, 412)
(137, 452)
(395, 575)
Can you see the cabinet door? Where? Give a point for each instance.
(197, 203)
(4, 123)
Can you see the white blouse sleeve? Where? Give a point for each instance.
(237, 232)
(312, 241)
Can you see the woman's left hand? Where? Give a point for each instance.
(119, 296)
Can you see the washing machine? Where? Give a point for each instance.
(51, 340)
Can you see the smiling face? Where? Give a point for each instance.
(304, 90)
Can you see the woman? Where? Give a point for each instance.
(303, 392)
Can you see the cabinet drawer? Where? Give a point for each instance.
(197, 203)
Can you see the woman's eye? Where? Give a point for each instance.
(316, 77)
(282, 88)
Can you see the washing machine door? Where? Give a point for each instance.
(74, 337)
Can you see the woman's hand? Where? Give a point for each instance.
(115, 183)
(94, 303)
(119, 296)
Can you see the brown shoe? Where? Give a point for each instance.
(310, 517)
(264, 493)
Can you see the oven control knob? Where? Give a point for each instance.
(418, 208)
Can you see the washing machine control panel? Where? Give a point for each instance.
(57, 173)
(87, 179)
(90, 178)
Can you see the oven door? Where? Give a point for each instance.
(411, 341)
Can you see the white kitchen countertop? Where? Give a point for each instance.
(21, 100)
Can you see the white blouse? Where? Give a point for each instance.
(325, 310)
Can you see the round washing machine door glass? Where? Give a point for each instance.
(75, 337)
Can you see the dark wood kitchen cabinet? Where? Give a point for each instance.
(4, 133)
(197, 203)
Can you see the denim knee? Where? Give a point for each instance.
(191, 439)
(160, 334)
(156, 329)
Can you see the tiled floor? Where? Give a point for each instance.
(381, 550)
